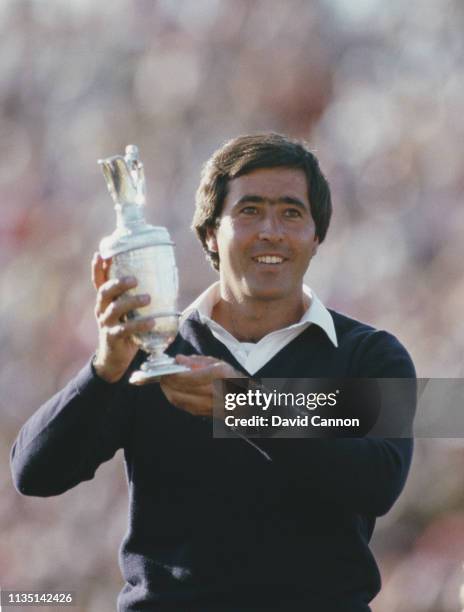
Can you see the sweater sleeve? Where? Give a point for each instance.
(69, 436)
(364, 475)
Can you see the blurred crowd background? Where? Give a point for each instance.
(377, 89)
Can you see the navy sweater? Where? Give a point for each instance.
(214, 524)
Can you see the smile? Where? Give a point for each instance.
(269, 259)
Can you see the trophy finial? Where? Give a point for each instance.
(125, 177)
(132, 153)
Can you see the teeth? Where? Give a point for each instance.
(270, 259)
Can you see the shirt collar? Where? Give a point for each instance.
(317, 313)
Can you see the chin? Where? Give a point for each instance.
(267, 293)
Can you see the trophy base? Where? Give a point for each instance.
(141, 377)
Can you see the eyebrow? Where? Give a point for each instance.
(260, 200)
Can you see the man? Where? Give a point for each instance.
(230, 524)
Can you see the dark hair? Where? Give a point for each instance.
(241, 156)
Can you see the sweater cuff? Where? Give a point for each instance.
(88, 379)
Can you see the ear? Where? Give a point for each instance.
(315, 246)
(211, 241)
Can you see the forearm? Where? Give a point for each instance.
(69, 436)
(363, 475)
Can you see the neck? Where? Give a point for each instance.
(251, 319)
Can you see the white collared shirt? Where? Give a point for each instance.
(253, 356)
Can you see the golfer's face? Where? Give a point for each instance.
(266, 234)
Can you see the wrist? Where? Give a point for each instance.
(108, 374)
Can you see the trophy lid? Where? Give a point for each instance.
(125, 180)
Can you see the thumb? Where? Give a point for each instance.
(195, 362)
(100, 268)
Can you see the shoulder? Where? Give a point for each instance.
(375, 352)
(348, 327)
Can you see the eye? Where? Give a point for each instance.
(249, 210)
(292, 213)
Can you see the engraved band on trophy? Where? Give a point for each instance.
(139, 249)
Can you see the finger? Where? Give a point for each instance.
(202, 376)
(107, 266)
(111, 290)
(195, 361)
(174, 382)
(122, 306)
(201, 361)
(99, 270)
(198, 405)
(172, 385)
(128, 329)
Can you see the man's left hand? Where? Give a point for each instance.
(194, 391)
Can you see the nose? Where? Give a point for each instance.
(271, 228)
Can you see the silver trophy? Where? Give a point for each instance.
(139, 249)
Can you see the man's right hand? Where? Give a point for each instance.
(116, 348)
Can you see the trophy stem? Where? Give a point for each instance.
(156, 359)
(157, 364)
